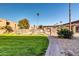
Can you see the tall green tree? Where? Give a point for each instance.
(24, 24)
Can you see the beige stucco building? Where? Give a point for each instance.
(74, 26)
(12, 24)
(53, 29)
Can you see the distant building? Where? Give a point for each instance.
(12, 24)
(74, 26)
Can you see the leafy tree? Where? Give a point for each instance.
(40, 27)
(7, 23)
(24, 24)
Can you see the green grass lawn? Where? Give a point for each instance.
(23, 45)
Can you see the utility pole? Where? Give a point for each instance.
(70, 16)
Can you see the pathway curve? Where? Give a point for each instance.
(63, 47)
(53, 48)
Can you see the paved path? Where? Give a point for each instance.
(63, 47)
(53, 48)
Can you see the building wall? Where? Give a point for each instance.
(2, 22)
(74, 27)
(12, 24)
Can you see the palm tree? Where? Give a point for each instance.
(37, 15)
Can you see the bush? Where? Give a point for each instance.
(65, 33)
(40, 27)
(8, 29)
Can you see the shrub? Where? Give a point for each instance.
(65, 33)
(40, 27)
(8, 29)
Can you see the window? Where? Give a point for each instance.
(77, 29)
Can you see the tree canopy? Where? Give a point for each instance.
(40, 27)
(24, 24)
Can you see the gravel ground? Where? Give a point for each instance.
(69, 46)
(63, 47)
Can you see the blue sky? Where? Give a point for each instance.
(50, 13)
